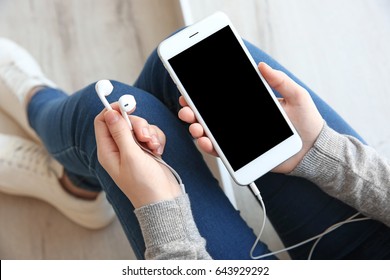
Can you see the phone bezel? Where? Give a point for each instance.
(190, 36)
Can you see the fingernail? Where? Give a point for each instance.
(145, 132)
(111, 117)
(160, 150)
(155, 140)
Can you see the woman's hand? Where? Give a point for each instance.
(296, 102)
(142, 179)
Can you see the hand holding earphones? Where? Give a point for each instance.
(127, 105)
(127, 102)
(140, 176)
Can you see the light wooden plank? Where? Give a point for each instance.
(76, 43)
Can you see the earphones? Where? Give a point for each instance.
(127, 106)
(127, 102)
(104, 88)
(316, 238)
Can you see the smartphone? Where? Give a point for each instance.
(214, 71)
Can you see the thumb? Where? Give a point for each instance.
(119, 131)
(282, 83)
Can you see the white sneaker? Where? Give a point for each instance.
(26, 169)
(19, 74)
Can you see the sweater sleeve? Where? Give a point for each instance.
(348, 170)
(170, 232)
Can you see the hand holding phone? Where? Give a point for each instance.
(221, 83)
(296, 102)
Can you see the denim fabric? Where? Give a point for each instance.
(297, 208)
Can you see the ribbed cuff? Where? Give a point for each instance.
(321, 162)
(167, 221)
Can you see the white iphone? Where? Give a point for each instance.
(220, 81)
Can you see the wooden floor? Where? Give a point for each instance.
(77, 43)
(337, 47)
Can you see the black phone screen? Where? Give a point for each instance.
(231, 97)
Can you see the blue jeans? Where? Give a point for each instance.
(297, 208)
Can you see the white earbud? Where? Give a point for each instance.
(127, 106)
(126, 102)
(104, 88)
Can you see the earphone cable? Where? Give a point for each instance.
(318, 237)
(160, 160)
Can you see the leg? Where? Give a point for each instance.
(65, 125)
(312, 210)
(297, 208)
(27, 168)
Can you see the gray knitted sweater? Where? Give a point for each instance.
(340, 165)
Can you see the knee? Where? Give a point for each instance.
(88, 104)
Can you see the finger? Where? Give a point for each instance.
(279, 81)
(150, 136)
(107, 149)
(196, 130)
(155, 141)
(282, 101)
(187, 115)
(141, 129)
(182, 101)
(205, 144)
(115, 106)
(120, 132)
(159, 140)
(103, 136)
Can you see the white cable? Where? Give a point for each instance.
(256, 192)
(318, 237)
(127, 105)
(158, 159)
(333, 227)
